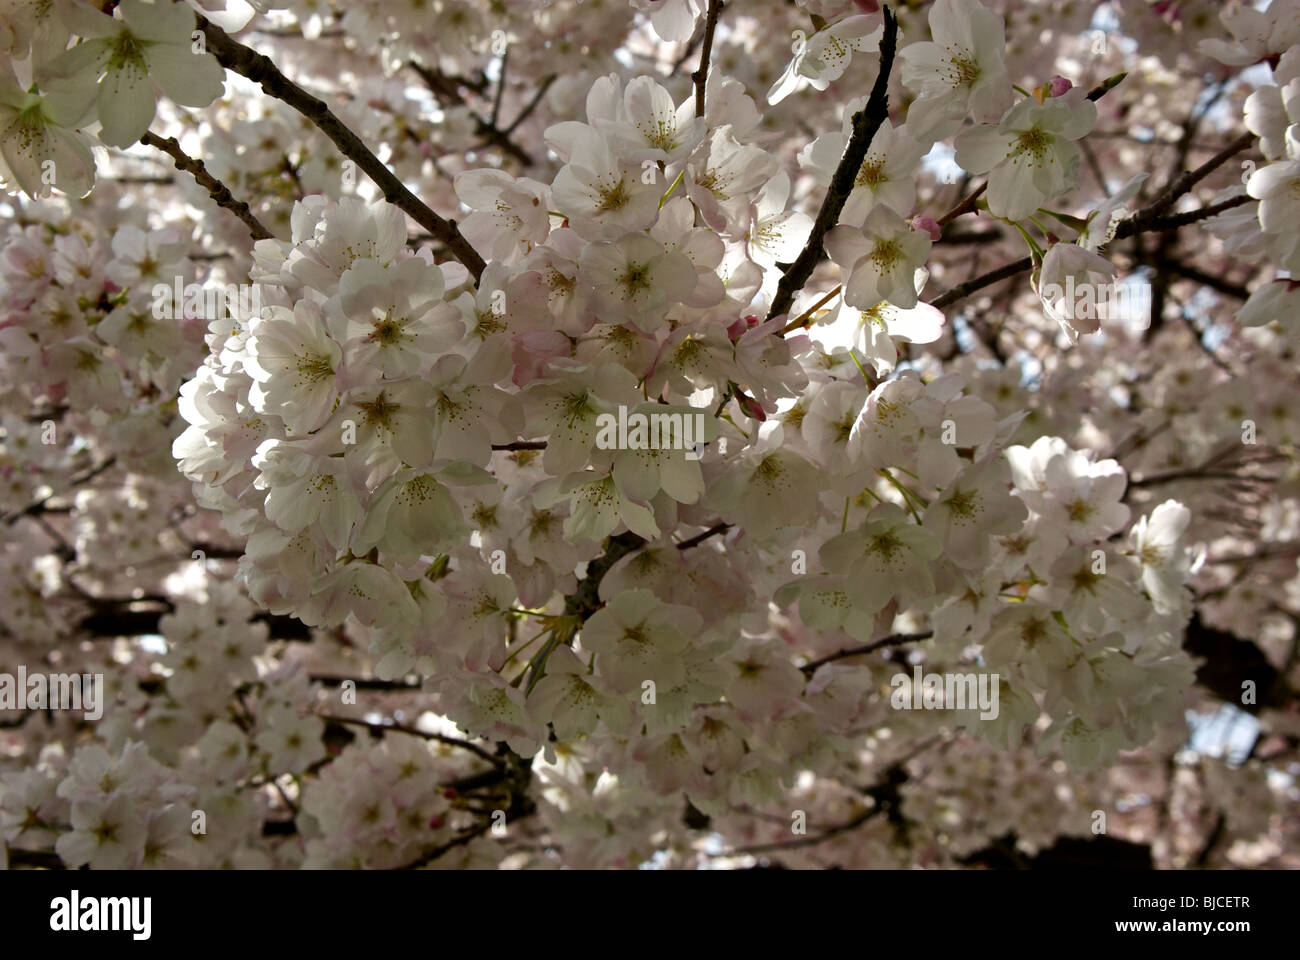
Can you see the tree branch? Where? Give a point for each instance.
(701, 74)
(217, 190)
(699, 538)
(865, 124)
(893, 640)
(38, 506)
(416, 732)
(233, 55)
(1130, 227)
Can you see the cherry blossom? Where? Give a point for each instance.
(310, 442)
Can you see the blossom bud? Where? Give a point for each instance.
(752, 408)
(742, 324)
(1057, 86)
(930, 226)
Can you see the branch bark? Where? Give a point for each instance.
(1129, 228)
(233, 55)
(865, 124)
(893, 640)
(701, 74)
(217, 190)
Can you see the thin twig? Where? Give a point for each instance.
(217, 190)
(416, 732)
(966, 205)
(233, 55)
(1130, 227)
(501, 88)
(893, 640)
(532, 105)
(699, 538)
(865, 124)
(701, 74)
(38, 506)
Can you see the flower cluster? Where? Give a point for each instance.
(640, 481)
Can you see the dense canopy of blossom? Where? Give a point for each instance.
(329, 337)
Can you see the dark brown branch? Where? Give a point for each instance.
(893, 640)
(217, 190)
(38, 506)
(971, 237)
(1191, 178)
(1172, 222)
(699, 538)
(964, 290)
(415, 732)
(965, 206)
(865, 124)
(249, 63)
(531, 106)
(115, 621)
(1130, 227)
(364, 683)
(585, 600)
(48, 860)
(884, 792)
(701, 74)
(501, 89)
(447, 90)
(1218, 284)
(462, 839)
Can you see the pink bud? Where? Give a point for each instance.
(1057, 86)
(752, 408)
(868, 6)
(930, 226)
(742, 324)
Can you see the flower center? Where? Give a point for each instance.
(1032, 632)
(660, 133)
(635, 279)
(875, 315)
(314, 367)
(886, 254)
(962, 70)
(386, 330)
(613, 198)
(126, 50)
(886, 545)
(872, 173)
(1079, 511)
(1033, 141)
(380, 411)
(964, 503)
